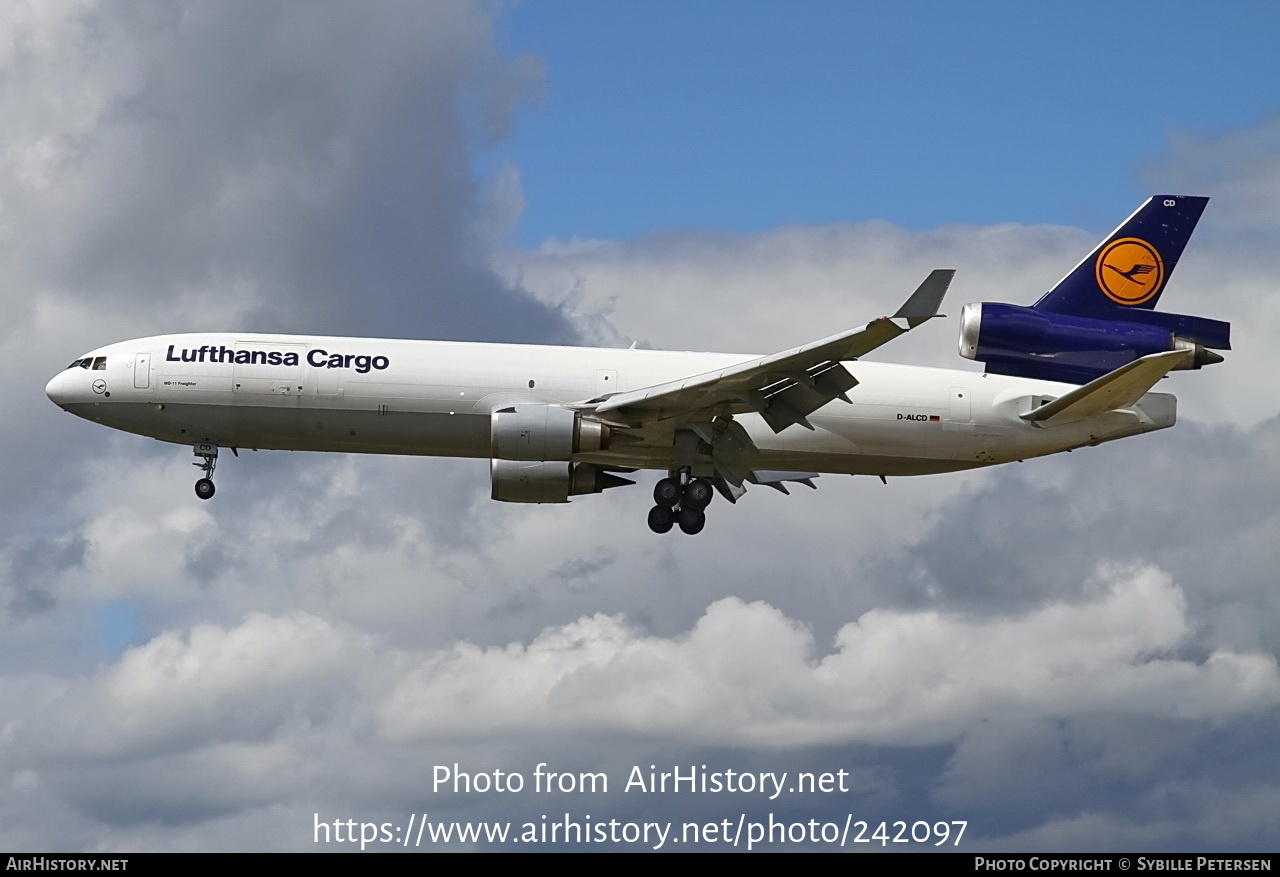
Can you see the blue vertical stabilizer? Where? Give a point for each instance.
(1131, 266)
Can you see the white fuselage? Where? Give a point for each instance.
(436, 398)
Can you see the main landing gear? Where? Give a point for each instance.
(680, 501)
(208, 454)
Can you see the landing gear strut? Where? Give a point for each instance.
(681, 501)
(208, 454)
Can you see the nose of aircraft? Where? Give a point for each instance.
(59, 389)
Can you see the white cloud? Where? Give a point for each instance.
(1239, 168)
(208, 725)
(211, 686)
(748, 675)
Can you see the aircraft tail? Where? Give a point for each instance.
(1102, 315)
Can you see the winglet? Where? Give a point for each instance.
(1117, 389)
(925, 301)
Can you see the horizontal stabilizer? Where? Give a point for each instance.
(1121, 388)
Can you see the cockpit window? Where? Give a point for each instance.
(75, 364)
(100, 364)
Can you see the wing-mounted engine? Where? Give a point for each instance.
(544, 432)
(548, 480)
(1033, 343)
(532, 446)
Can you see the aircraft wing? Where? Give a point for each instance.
(783, 388)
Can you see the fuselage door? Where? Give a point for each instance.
(961, 406)
(959, 426)
(268, 369)
(325, 384)
(142, 371)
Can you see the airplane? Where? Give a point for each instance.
(1075, 369)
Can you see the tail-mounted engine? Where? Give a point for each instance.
(1035, 343)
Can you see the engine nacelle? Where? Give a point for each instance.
(544, 432)
(548, 481)
(1027, 342)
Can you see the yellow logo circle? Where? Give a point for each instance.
(1129, 271)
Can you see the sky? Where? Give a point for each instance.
(702, 115)
(1077, 653)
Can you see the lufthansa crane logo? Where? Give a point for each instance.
(1129, 271)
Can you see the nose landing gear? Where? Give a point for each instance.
(208, 454)
(680, 501)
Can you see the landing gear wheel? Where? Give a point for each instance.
(666, 493)
(661, 519)
(691, 520)
(208, 454)
(698, 494)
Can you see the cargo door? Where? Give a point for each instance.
(269, 369)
